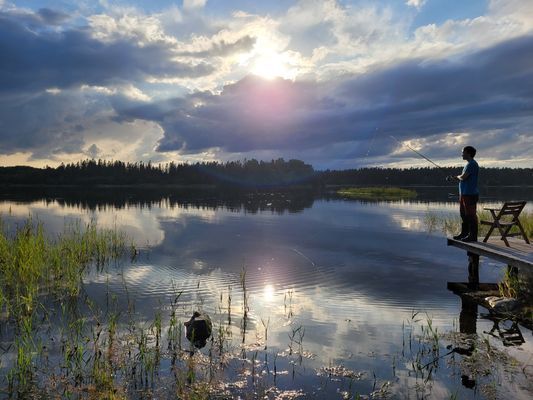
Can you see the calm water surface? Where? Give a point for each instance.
(345, 279)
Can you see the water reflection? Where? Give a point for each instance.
(349, 273)
(96, 198)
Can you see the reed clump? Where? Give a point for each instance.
(377, 193)
(450, 224)
(32, 263)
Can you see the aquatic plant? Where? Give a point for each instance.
(33, 266)
(377, 193)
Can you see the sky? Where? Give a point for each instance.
(337, 84)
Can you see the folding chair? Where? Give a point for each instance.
(510, 208)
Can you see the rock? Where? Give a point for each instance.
(198, 329)
(502, 304)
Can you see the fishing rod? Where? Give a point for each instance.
(426, 158)
(417, 152)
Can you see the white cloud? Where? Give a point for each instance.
(135, 93)
(53, 90)
(416, 3)
(193, 4)
(131, 25)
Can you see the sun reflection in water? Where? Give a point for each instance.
(268, 292)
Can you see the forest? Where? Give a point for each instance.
(247, 173)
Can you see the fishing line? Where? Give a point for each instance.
(310, 261)
(426, 158)
(369, 147)
(417, 152)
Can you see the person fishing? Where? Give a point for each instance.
(468, 196)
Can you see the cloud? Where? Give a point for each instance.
(415, 3)
(33, 60)
(52, 17)
(472, 93)
(193, 4)
(357, 75)
(93, 151)
(221, 48)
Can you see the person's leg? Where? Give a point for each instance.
(464, 222)
(471, 218)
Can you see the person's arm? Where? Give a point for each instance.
(463, 177)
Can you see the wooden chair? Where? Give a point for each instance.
(510, 208)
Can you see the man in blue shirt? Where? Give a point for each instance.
(468, 196)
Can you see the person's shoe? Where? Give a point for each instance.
(469, 239)
(464, 232)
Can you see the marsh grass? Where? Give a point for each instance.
(34, 267)
(450, 224)
(32, 264)
(377, 193)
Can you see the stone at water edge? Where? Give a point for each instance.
(198, 329)
(502, 304)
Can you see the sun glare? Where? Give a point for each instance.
(268, 292)
(271, 65)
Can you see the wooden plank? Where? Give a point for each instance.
(488, 289)
(519, 255)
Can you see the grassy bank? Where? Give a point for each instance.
(377, 193)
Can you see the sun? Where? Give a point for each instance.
(271, 65)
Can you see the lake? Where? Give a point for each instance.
(309, 296)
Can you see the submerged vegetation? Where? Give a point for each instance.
(377, 193)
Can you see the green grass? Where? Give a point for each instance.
(32, 264)
(377, 193)
(450, 224)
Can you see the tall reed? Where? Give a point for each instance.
(34, 265)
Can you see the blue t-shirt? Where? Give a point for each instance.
(469, 185)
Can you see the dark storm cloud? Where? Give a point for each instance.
(44, 123)
(37, 20)
(487, 90)
(33, 59)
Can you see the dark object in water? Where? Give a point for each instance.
(467, 382)
(198, 329)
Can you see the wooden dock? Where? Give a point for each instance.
(518, 256)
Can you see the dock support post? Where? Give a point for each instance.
(473, 270)
(468, 315)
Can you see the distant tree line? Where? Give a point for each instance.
(247, 173)
(425, 176)
(240, 173)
